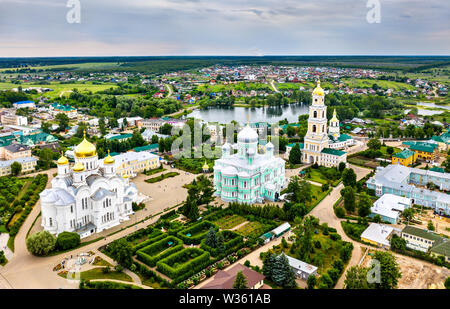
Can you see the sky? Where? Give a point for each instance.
(39, 28)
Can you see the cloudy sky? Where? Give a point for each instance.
(223, 27)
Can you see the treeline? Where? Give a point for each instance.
(110, 106)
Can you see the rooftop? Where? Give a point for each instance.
(224, 279)
(378, 233)
(404, 154)
(333, 152)
(411, 230)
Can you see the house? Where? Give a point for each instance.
(280, 230)
(149, 133)
(419, 239)
(410, 182)
(120, 137)
(131, 163)
(150, 148)
(379, 235)
(224, 279)
(12, 119)
(15, 151)
(24, 104)
(301, 269)
(389, 207)
(425, 150)
(405, 157)
(28, 165)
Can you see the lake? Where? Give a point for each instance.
(257, 114)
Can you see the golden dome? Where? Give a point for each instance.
(108, 159)
(334, 119)
(125, 176)
(78, 167)
(205, 166)
(318, 90)
(85, 149)
(63, 160)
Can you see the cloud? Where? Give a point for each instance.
(199, 27)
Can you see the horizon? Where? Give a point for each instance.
(115, 28)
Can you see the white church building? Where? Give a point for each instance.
(86, 198)
(320, 143)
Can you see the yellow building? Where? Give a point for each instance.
(131, 163)
(28, 165)
(425, 151)
(405, 157)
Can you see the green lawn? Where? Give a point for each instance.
(97, 273)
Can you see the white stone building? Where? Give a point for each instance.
(86, 198)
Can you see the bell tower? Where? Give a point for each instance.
(316, 137)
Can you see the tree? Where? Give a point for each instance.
(390, 150)
(46, 156)
(349, 177)
(430, 226)
(102, 126)
(67, 240)
(63, 121)
(300, 189)
(364, 204)
(240, 282)
(45, 127)
(311, 282)
(408, 214)
(340, 212)
(398, 243)
(349, 198)
(325, 281)
(374, 144)
(190, 208)
(282, 273)
(295, 155)
(341, 167)
(389, 270)
(41, 243)
(121, 251)
(211, 238)
(447, 283)
(356, 278)
(16, 168)
(291, 131)
(306, 243)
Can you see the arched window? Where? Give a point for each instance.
(314, 128)
(315, 114)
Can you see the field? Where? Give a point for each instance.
(384, 84)
(229, 222)
(59, 89)
(74, 66)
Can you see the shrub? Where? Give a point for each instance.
(184, 263)
(41, 243)
(159, 250)
(67, 240)
(197, 231)
(340, 212)
(335, 236)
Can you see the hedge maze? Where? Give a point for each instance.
(159, 250)
(195, 234)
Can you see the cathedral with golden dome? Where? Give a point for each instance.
(87, 197)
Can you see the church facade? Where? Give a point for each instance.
(86, 198)
(247, 176)
(322, 144)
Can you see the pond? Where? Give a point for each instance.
(256, 114)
